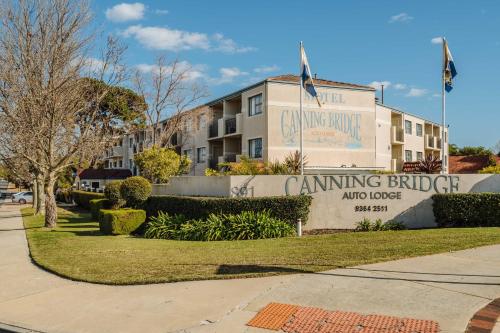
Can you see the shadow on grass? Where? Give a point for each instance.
(248, 269)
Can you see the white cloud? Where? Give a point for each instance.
(266, 69)
(167, 39)
(416, 92)
(228, 75)
(437, 40)
(162, 38)
(161, 11)
(378, 85)
(193, 72)
(228, 45)
(126, 12)
(400, 86)
(401, 17)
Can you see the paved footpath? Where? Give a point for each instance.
(448, 288)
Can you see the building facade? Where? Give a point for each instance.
(349, 131)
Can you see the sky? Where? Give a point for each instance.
(232, 44)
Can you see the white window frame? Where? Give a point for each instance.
(252, 107)
(408, 130)
(420, 156)
(417, 126)
(251, 153)
(406, 156)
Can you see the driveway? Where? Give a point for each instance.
(448, 288)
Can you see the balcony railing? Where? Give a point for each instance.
(430, 142)
(213, 130)
(230, 127)
(397, 135)
(438, 143)
(230, 157)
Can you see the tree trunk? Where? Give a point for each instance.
(50, 202)
(40, 196)
(35, 194)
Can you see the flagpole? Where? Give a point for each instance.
(301, 112)
(443, 109)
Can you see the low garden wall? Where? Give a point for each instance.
(340, 201)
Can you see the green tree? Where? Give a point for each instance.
(159, 164)
(453, 149)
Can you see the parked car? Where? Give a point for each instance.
(23, 197)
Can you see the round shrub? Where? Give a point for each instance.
(135, 191)
(112, 193)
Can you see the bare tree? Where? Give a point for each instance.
(169, 89)
(50, 108)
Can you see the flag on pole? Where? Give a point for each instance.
(448, 67)
(306, 77)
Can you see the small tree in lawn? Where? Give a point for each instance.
(159, 164)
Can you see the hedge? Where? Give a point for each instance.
(120, 221)
(467, 209)
(96, 205)
(83, 198)
(287, 208)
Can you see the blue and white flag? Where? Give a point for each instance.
(448, 67)
(306, 77)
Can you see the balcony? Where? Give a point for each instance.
(213, 130)
(230, 126)
(432, 142)
(397, 135)
(396, 165)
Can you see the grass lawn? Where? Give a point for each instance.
(78, 251)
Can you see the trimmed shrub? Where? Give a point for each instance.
(82, 198)
(96, 205)
(135, 191)
(467, 209)
(120, 221)
(246, 225)
(286, 208)
(112, 193)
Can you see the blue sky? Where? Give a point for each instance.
(231, 44)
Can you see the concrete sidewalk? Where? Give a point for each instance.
(448, 288)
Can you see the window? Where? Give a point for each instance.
(120, 164)
(131, 142)
(419, 129)
(407, 127)
(202, 121)
(188, 125)
(255, 148)
(95, 185)
(408, 157)
(445, 137)
(201, 154)
(255, 105)
(188, 153)
(420, 156)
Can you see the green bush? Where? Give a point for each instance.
(82, 198)
(112, 193)
(286, 208)
(467, 209)
(135, 191)
(96, 205)
(120, 221)
(367, 225)
(246, 225)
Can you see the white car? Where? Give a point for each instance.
(23, 197)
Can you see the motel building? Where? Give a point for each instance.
(351, 131)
